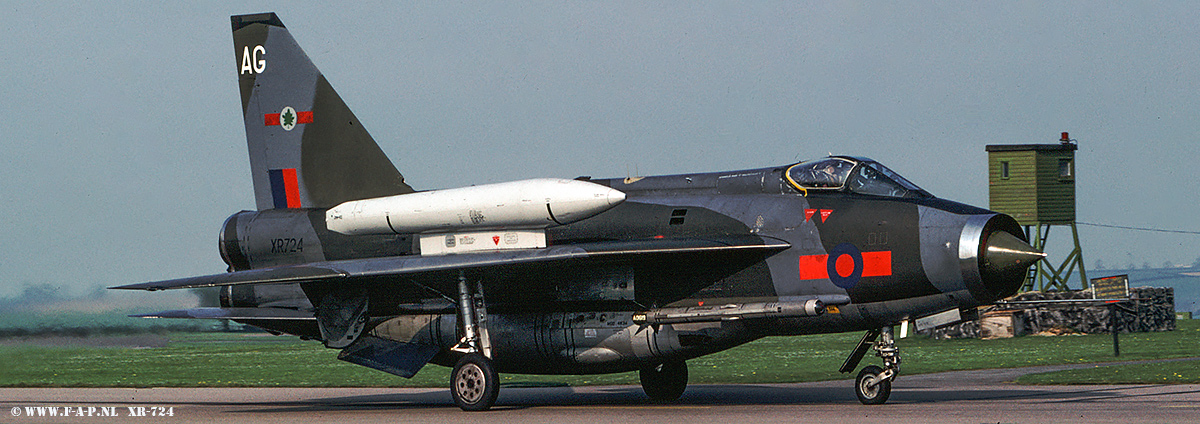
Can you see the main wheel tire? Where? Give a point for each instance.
(474, 383)
(664, 382)
(867, 394)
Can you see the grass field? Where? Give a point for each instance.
(1179, 372)
(233, 359)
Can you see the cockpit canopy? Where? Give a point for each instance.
(855, 175)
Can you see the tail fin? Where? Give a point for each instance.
(307, 149)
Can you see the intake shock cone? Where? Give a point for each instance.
(1006, 260)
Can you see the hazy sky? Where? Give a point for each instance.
(124, 146)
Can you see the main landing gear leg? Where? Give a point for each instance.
(474, 382)
(873, 385)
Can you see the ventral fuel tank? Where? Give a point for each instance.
(525, 204)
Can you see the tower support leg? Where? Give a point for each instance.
(1046, 276)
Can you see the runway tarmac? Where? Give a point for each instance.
(985, 396)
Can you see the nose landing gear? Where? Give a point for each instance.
(873, 385)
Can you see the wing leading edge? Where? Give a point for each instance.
(374, 269)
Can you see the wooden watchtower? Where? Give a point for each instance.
(1035, 184)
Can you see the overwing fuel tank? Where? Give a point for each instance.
(525, 204)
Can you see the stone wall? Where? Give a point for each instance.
(1149, 309)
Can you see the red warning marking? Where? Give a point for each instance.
(875, 264)
(496, 240)
(808, 214)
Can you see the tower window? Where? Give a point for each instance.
(1066, 169)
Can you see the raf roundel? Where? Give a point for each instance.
(844, 265)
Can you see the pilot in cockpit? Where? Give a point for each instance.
(830, 175)
(833, 174)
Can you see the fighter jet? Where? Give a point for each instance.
(574, 276)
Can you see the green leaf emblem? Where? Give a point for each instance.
(287, 118)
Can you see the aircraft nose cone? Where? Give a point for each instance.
(1006, 260)
(1005, 250)
(615, 196)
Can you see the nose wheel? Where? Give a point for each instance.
(873, 385)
